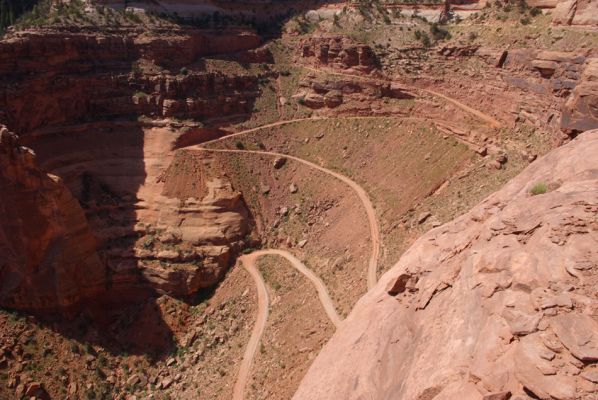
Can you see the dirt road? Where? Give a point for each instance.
(249, 262)
(361, 193)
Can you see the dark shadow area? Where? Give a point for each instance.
(85, 117)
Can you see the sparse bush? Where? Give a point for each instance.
(426, 40)
(472, 36)
(539, 188)
(525, 21)
(535, 11)
(239, 145)
(439, 33)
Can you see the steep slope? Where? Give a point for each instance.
(501, 301)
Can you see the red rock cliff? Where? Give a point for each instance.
(49, 254)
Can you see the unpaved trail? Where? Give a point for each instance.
(249, 262)
(361, 193)
(258, 329)
(485, 117)
(309, 274)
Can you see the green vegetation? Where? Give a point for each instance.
(539, 188)
(11, 10)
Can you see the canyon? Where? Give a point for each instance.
(209, 199)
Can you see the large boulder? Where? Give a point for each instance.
(500, 302)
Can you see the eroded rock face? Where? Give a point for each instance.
(581, 110)
(49, 257)
(500, 302)
(103, 132)
(107, 76)
(147, 220)
(571, 77)
(576, 12)
(331, 94)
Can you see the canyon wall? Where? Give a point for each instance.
(102, 112)
(500, 303)
(49, 256)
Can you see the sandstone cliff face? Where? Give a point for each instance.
(165, 222)
(48, 251)
(570, 77)
(95, 76)
(500, 302)
(76, 98)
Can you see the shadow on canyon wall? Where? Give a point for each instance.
(76, 104)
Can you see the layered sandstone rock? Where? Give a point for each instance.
(49, 257)
(145, 219)
(571, 77)
(339, 52)
(102, 132)
(95, 76)
(316, 94)
(500, 302)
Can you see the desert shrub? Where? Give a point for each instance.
(472, 36)
(525, 21)
(426, 40)
(239, 145)
(539, 188)
(535, 11)
(439, 33)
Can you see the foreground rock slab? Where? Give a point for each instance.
(500, 302)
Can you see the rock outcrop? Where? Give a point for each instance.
(332, 93)
(168, 223)
(339, 52)
(581, 110)
(49, 257)
(571, 77)
(500, 302)
(576, 12)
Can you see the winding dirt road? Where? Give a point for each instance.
(258, 329)
(249, 262)
(361, 193)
